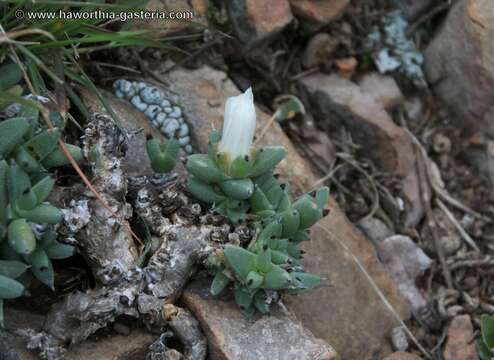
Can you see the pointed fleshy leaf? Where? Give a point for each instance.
(241, 261)
(203, 191)
(43, 144)
(267, 158)
(243, 297)
(253, 280)
(11, 133)
(241, 167)
(240, 189)
(276, 279)
(43, 188)
(220, 282)
(487, 326)
(21, 237)
(290, 220)
(204, 168)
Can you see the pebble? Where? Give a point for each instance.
(139, 85)
(160, 118)
(138, 104)
(165, 103)
(176, 113)
(188, 149)
(399, 339)
(168, 109)
(184, 140)
(119, 94)
(152, 111)
(170, 127)
(184, 130)
(152, 95)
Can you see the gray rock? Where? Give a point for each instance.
(176, 112)
(138, 103)
(152, 111)
(399, 339)
(232, 336)
(464, 80)
(160, 118)
(405, 261)
(375, 229)
(413, 8)
(151, 95)
(184, 140)
(165, 103)
(256, 21)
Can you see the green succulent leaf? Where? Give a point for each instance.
(43, 144)
(59, 251)
(162, 156)
(11, 133)
(243, 297)
(43, 188)
(305, 281)
(10, 288)
(240, 189)
(11, 75)
(267, 158)
(44, 214)
(204, 168)
(203, 191)
(308, 210)
(241, 167)
(21, 237)
(4, 167)
(487, 327)
(276, 279)
(253, 280)
(58, 158)
(41, 267)
(12, 268)
(322, 197)
(290, 219)
(258, 201)
(263, 261)
(220, 282)
(241, 261)
(26, 160)
(261, 302)
(484, 352)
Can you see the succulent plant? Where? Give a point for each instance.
(27, 151)
(162, 112)
(162, 156)
(239, 182)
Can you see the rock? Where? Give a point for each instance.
(399, 339)
(233, 336)
(383, 88)
(346, 67)
(319, 13)
(329, 311)
(459, 345)
(405, 261)
(400, 355)
(413, 8)
(464, 80)
(136, 160)
(448, 235)
(109, 347)
(344, 103)
(193, 16)
(256, 21)
(375, 229)
(319, 49)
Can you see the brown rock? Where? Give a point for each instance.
(388, 145)
(190, 15)
(459, 345)
(109, 347)
(319, 49)
(233, 336)
(459, 64)
(329, 312)
(256, 21)
(383, 88)
(400, 355)
(319, 12)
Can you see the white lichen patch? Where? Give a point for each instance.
(77, 215)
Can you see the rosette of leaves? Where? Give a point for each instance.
(238, 181)
(27, 152)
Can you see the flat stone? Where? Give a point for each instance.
(464, 80)
(108, 347)
(256, 21)
(329, 312)
(233, 336)
(344, 103)
(400, 355)
(383, 89)
(319, 13)
(375, 229)
(459, 345)
(192, 13)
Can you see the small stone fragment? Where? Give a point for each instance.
(399, 339)
(138, 104)
(375, 229)
(151, 95)
(256, 21)
(160, 118)
(170, 127)
(319, 49)
(152, 111)
(184, 140)
(165, 103)
(383, 88)
(176, 112)
(459, 345)
(319, 13)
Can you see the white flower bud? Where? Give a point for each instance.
(239, 125)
